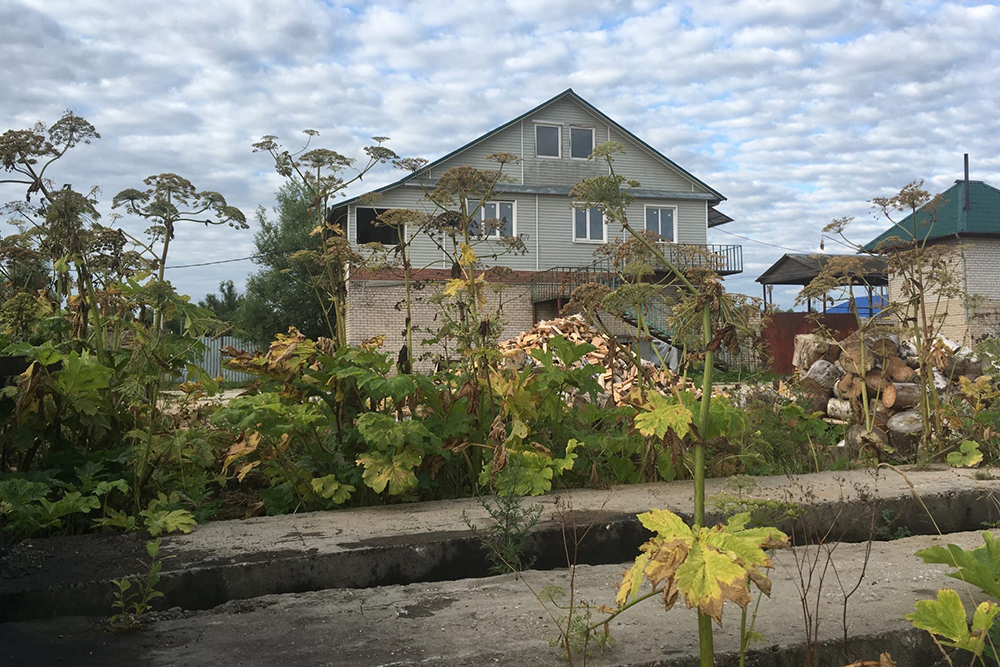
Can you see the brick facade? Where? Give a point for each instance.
(378, 307)
(977, 262)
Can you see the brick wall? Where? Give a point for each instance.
(977, 261)
(378, 307)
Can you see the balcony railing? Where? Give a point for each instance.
(559, 282)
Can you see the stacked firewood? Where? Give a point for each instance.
(620, 374)
(837, 377)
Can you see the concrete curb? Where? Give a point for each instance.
(428, 542)
(496, 620)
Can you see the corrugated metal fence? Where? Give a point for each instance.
(211, 358)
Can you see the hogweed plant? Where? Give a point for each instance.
(702, 305)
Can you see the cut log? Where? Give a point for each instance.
(886, 346)
(904, 431)
(810, 348)
(821, 377)
(859, 439)
(897, 370)
(901, 395)
(907, 350)
(848, 387)
(851, 358)
(839, 408)
(875, 381)
(880, 414)
(940, 381)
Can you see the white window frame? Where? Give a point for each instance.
(593, 140)
(572, 220)
(542, 123)
(480, 216)
(660, 206)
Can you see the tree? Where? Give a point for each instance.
(226, 304)
(281, 294)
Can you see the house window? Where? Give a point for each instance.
(660, 221)
(498, 216)
(368, 231)
(588, 224)
(581, 142)
(547, 140)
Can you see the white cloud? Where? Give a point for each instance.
(798, 112)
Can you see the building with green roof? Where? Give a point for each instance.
(966, 217)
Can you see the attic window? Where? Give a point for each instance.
(547, 140)
(581, 140)
(370, 232)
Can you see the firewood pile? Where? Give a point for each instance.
(837, 377)
(620, 374)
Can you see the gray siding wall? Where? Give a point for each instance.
(545, 222)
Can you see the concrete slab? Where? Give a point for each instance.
(497, 621)
(398, 544)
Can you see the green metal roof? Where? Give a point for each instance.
(569, 92)
(949, 217)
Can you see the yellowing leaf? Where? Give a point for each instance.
(246, 444)
(967, 456)
(396, 473)
(707, 578)
(945, 618)
(631, 580)
(468, 255)
(245, 470)
(453, 287)
(664, 415)
(665, 524)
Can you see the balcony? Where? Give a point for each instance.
(559, 282)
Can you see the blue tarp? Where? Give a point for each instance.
(877, 303)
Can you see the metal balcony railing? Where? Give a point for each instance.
(560, 281)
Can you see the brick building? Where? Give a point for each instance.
(965, 217)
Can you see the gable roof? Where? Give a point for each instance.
(568, 93)
(950, 217)
(801, 268)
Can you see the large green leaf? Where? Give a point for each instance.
(967, 456)
(331, 488)
(945, 618)
(979, 567)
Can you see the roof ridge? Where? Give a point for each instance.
(569, 92)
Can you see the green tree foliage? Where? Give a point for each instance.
(226, 304)
(281, 293)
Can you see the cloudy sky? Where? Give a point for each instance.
(798, 111)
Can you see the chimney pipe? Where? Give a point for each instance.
(967, 207)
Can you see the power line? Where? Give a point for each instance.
(235, 259)
(773, 245)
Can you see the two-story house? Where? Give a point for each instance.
(553, 142)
